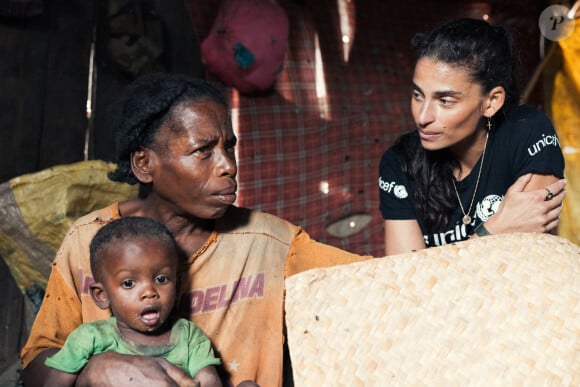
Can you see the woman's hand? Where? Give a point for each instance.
(208, 377)
(113, 369)
(526, 207)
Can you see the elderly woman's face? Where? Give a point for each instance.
(195, 169)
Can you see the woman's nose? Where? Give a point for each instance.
(425, 114)
(227, 163)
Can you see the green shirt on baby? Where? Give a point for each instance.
(189, 348)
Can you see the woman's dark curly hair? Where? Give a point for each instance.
(486, 52)
(144, 106)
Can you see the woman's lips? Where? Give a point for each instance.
(227, 196)
(428, 136)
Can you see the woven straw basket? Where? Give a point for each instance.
(496, 311)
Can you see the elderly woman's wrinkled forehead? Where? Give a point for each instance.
(187, 109)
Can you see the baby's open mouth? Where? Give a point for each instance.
(150, 317)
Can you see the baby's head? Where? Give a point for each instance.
(134, 263)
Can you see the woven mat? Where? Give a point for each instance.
(496, 311)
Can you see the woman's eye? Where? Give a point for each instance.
(127, 284)
(231, 148)
(203, 150)
(417, 96)
(446, 101)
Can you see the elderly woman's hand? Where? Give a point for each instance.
(113, 369)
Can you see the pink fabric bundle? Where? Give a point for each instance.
(247, 44)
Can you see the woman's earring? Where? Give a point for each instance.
(488, 124)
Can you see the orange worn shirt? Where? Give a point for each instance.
(233, 288)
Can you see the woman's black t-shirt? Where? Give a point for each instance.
(524, 143)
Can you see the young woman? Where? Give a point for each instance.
(477, 163)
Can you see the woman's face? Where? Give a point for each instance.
(194, 169)
(446, 105)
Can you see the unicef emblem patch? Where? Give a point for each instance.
(488, 206)
(400, 191)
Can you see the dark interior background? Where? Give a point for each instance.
(286, 150)
(44, 75)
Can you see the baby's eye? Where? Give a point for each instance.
(127, 284)
(161, 279)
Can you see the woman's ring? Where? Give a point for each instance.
(549, 195)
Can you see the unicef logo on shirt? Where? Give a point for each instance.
(400, 191)
(488, 206)
(397, 189)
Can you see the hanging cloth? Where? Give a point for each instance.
(247, 44)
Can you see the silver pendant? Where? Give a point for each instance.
(466, 219)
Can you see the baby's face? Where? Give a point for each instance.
(141, 281)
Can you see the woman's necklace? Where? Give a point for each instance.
(466, 218)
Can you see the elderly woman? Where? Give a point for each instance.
(176, 141)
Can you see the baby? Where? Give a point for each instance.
(134, 262)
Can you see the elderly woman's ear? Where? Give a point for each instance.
(141, 165)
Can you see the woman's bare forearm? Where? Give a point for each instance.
(39, 374)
